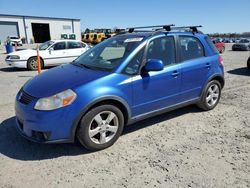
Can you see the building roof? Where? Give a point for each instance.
(39, 17)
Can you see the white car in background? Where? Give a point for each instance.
(15, 40)
(52, 53)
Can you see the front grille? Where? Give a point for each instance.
(25, 98)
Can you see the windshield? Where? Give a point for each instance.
(109, 54)
(45, 45)
(14, 38)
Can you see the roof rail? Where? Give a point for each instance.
(165, 27)
(161, 28)
(192, 28)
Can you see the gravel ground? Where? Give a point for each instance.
(183, 148)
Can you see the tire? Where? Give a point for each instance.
(248, 63)
(211, 95)
(222, 50)
(95, 132)
(32, 63)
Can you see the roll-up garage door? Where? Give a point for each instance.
(7, 29)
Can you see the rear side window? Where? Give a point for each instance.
(163, 49)
(211, 45)
(59, 46)
(73, 45)
(191, 48)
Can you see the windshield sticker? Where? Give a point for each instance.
(134, 39)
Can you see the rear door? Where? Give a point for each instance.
(74, 50)
(195, 67)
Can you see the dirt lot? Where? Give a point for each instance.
(183, 148)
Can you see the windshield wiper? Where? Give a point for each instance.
(81, 65)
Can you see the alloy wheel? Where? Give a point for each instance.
(212, 95)
(103, 127)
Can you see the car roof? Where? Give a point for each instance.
(66, 40)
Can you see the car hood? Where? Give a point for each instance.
(23, 52)
(59, 79)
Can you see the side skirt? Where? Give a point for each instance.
(162, 110)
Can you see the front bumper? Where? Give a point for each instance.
(16, 63)
(44, 126)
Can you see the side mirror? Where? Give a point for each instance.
(153, 65)
(51, 49)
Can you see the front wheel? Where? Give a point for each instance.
(100, 127)
(32, 63)
(211, 95)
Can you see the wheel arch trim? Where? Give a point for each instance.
(95, 102)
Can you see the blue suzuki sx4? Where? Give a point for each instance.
(129, 77)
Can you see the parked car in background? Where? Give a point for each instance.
(52, 53)
(219, 45)
(124, 79)
(227, 40)
(248, 63)
(242, 45)
(14, 40)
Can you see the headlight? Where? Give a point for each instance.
(56, 101)
(14, 57)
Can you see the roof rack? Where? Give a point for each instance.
(165, 27)
(185, 28)
(160, 28)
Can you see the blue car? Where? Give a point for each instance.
(129, 77)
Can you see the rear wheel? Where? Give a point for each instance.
(211, 95)
(100, 127)
(248, 63)
(32, 63)
(222, 50)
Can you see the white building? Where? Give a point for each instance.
(37, 29)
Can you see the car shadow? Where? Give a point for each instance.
(16, 147)
(160, 118)
(244, 71)
(12, 69)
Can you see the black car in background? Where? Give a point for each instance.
(242, 45)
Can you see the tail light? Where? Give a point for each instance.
(221, 61)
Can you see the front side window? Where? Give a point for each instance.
(59, 46)
(162, 49)
(110, 53)
(133, 67)
(191, 48)
(45, 45)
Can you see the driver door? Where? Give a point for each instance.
(56, 54)
(153, 91)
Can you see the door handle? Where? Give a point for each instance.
(175, 73)
(208, 65)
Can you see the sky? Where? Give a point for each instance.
(223, 16)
